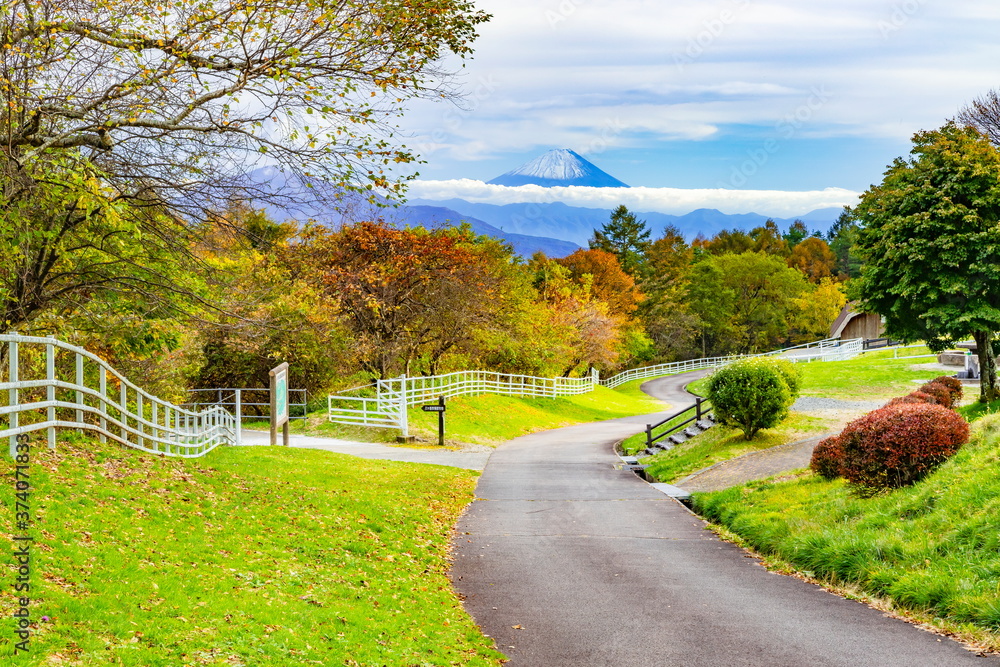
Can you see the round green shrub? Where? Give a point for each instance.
(749, 394)
(898, 445)
(826, 458)
(791, 374)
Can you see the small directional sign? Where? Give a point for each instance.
(439, 408)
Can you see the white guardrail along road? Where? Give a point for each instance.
(388, 407)
(51, 384)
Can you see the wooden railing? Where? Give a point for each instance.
(699, 411)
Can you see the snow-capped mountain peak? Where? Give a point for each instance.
(558, 167)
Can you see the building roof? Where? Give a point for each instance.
(846, 315)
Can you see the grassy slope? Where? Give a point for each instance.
(251, 556)
(722, 443)
(491, 419)
(932, 550)
(874, 376)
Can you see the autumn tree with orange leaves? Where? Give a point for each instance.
(405, 295)
(607, 281)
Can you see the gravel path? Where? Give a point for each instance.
(755, 465)
(811, 403)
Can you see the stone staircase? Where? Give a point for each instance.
(680, 436)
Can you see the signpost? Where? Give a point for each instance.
(279, 403)
(440, 409)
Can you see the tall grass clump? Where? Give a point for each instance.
(932, 547)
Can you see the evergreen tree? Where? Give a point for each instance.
(626, 237)
(796, 233)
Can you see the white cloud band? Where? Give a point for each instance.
(674, 201)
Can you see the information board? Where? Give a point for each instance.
(279, 403)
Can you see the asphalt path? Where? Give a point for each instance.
(564, 560)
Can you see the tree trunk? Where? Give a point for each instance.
(989, 391)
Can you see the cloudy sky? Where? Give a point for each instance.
(751, 95)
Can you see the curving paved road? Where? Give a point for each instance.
(565, 561)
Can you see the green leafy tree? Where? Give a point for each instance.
(734, 241)
(747, 301)
(712, 301)
(626, 237)
(930, 240)
(842, 237)
(671, 325)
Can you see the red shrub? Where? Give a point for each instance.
(941, 393)
(954, 386)
(826, 458)
(897, 445)
(912, 397)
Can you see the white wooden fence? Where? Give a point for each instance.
(388, 408)
(57, 385)
(831, 349)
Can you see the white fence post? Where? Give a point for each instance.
(239, 417)
(50, 390)
(124, 409)
(79, 383)
(13, 394)
(404, 416)
(103, 404)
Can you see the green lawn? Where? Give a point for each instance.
(932, 550)
(251, 556)
(872, 376)
(976, 410)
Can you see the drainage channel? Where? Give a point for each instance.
(632, 463)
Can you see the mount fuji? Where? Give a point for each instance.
(560, 167)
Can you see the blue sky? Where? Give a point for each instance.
(751, 95)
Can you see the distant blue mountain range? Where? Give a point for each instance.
(577, 224)
(333, 207)
(555, 229)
